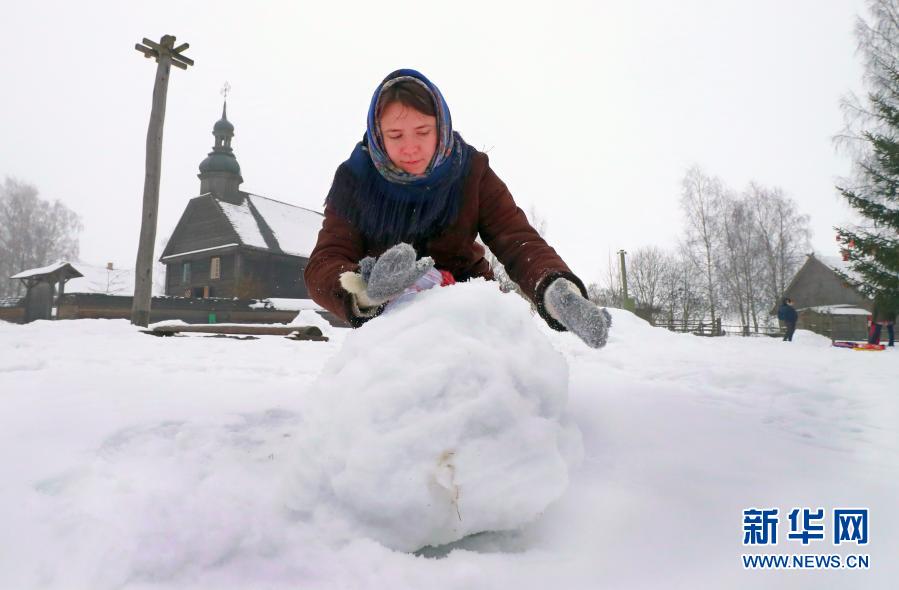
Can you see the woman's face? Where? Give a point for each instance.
(410, 137)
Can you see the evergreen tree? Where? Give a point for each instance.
(872, 246)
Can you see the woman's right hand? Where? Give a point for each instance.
(566, 304)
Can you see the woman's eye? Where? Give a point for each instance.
(425, 132)
(394, 136)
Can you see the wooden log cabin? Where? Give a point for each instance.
(826, 295)
(231, 243)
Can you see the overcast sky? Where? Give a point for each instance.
(590, 111)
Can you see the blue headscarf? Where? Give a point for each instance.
(389, 205)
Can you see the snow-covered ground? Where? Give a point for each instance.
(194, 462)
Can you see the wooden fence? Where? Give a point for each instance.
(717, 328)
(12, 309)
(189, 310)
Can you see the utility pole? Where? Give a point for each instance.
(166, 54)
(626, 302)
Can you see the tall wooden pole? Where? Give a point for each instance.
(166, 55)
(626, 302)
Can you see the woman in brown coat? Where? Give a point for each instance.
(413, 197)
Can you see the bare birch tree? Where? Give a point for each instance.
(681, 290)
(739, 262)
(646, 270)
(701, 202)
(783, 234)
(762, 242)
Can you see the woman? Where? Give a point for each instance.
(414, 196)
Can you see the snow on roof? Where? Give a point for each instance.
(842, 309)
(244, 223)
(295, 228)
(33, 272)
(98, 279)
(116, 281)
(841, 266)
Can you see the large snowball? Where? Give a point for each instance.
(439, 419)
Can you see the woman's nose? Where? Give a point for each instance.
(410, 146)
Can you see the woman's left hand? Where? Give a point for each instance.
(566, 305)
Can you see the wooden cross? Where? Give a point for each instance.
(166, 54)
(165, 48)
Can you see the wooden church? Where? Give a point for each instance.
(230, 243)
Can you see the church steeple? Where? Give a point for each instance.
(220, 172)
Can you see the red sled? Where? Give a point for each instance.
(869, 347)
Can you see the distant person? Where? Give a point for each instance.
(883, 314)
(410, 203)
(787, 314)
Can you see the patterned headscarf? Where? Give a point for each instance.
(389, 205)
(376, 149)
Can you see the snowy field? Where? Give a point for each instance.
(131, 461)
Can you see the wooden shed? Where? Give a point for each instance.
(43, 285)
(824, 292)
(837, 322)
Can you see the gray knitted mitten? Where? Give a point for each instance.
(564, 302)
(393, 271)
(365, 266)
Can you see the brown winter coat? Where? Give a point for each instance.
(487, 209)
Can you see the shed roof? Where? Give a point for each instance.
(838, 310)
(96, 278)
(61, 269)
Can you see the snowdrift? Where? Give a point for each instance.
(139, 462)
